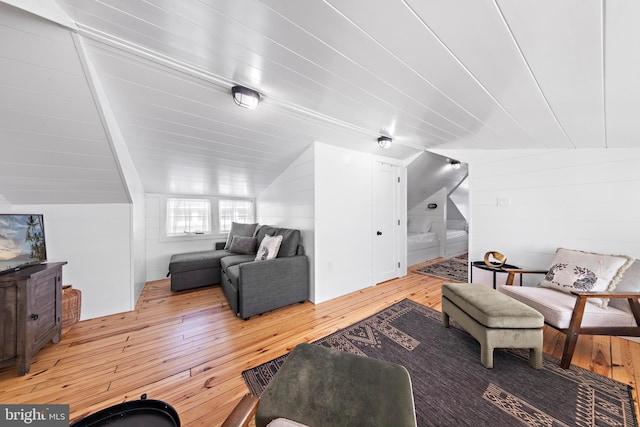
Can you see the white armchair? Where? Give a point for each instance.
(580, 311)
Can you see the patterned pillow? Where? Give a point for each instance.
(584, 271)
(269, 248)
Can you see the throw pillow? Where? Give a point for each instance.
(243, 245)
(269, 248)
(573, 270)
(630, 283)
(238, 229)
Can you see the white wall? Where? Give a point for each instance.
(343, 221)
(95, 241)
(131, 180)
(289, 202)
(577, 199)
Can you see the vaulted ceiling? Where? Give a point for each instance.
(87, 83)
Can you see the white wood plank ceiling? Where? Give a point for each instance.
(434, 74)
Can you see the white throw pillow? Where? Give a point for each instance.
(419, 224)
(630, 283)
(584, 271)
(269, 248)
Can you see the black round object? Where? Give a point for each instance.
(137, 413)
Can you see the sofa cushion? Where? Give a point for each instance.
(557, 307)
(269, 248)
(243, 245)
(235, 259)
(238, 229)
(196, 260)
(573, 270)
(290, 239)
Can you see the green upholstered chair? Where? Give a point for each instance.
(319, 386)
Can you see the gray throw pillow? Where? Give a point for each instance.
(238, 229)
(243, 245)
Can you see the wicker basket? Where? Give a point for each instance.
(71, 302)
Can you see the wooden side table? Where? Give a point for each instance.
(495, 270)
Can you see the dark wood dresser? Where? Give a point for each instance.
(30, 312)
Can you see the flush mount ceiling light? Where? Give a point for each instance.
(245, 97)
(384, 142)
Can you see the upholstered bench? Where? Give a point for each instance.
(494, 319)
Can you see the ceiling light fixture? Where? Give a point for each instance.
(245, 97)
(384, 142)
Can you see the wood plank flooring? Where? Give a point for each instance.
(189, 350)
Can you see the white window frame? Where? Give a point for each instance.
(243, 211)
(215, 233)
(202, 232)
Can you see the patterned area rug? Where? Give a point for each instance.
(450, 269)
(451, 387)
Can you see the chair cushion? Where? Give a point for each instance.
(557, 307)
(573, 270)
(283, 422)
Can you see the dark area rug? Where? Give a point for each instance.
(450, 269)
(451, 387)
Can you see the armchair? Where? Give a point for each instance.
(581, 311)
(323, 386)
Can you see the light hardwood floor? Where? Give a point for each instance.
(189, 350)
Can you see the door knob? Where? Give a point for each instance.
(379, 233)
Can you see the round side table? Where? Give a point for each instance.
(495, 270)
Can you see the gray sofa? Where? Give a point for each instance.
(251, 287)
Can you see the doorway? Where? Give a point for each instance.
(385, 222)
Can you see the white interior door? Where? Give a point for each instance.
(385, 221)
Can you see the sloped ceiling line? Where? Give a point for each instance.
(394, 87)
(182, 67)
(531, 73)
(423, 78)
(603, 36)
(471, 74)
(102, 104)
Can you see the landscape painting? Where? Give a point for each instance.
(22, 241)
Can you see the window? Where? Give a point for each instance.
(188, 216)
(234, 211)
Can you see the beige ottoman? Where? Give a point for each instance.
(494, 319)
